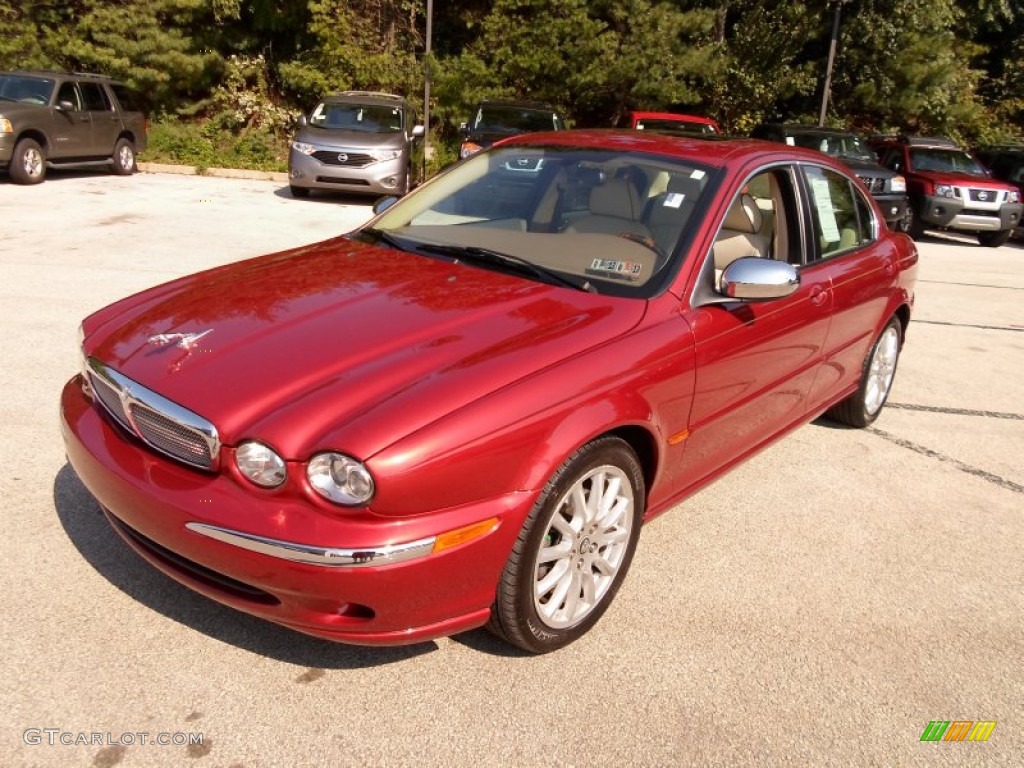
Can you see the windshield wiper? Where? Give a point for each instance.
(487, 256)
(383, 236)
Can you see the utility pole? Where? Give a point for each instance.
(831, 63)
(426, 85)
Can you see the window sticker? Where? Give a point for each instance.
(790, 141)
(826, 209)
(615, 269)
(673, 199)
(697, 174)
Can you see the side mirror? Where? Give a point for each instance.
(65, 106)
(755, 279)
(303, 122)
(383, 204)
(464, 129)
(418, 132)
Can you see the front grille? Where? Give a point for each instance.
(351, 159)
(875, 185)
(983, 195)
(352, 182)
(160, 423)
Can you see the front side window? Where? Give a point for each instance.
(842, 219)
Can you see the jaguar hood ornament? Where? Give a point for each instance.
(181, 340)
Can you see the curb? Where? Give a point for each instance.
(224, 173)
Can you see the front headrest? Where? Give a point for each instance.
(743, 215)
(616, 197)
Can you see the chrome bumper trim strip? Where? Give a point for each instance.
(333, 557)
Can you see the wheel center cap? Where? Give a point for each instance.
(584, 547)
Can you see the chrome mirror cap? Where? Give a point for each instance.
(754, 279)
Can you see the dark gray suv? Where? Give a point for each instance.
(357, 142)
(51, 119)
(888, 187)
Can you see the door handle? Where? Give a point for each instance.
(819, 295)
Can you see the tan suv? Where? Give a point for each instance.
(52, 119)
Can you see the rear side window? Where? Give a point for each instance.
(95, 97)
(842, 218)
(125, 98)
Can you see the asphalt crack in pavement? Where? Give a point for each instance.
(1002, 482)
(955, 411)
(1017, 329)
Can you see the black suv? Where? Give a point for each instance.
(50, 119)
(949, 189)
(496, 120)
(887, 187)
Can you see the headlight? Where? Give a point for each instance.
(303, 148)
(469, 148)
(898, 184)
(340, 478)
(260, 464)
(5, 125)
(944, 190)
(1013, 197)
(380, 155)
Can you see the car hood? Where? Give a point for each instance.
(345, 345)
(865, 166)
(962, 179)
(331, 137)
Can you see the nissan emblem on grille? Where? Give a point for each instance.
(982, 195)
(342, 157)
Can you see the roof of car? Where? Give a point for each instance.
(540, 106)
(720, 152)
(818, 130)
(365, 97)
(48, 73)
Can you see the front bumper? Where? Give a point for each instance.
(386, 177)
(894, 208)
(356, 578)
(951, 213)
(6, 149)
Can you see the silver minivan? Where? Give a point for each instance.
(359, 142)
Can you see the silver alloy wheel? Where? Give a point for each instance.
(32, 162)
(126, 157)
(585, 545)
(881, 370)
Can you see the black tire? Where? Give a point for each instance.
(913, 225)
(406, 187)
(877, 373)
(123, 159)
(28, 162)
(994, 239)
(299, 192)
(586, 564)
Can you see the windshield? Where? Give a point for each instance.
(851, 147)
(32, 90)
(365, 118)
(513, 120)
(608, 219)
(945, 161)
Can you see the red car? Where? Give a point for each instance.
(462, 413)
(671, 122)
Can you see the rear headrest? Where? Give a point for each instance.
(743, 215)
(616, 197)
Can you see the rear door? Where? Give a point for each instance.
(861, 269)
(106, 124)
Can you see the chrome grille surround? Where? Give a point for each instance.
(161, 424)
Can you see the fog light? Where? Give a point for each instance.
(390, 181)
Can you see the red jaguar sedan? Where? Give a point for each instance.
(462, 413)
